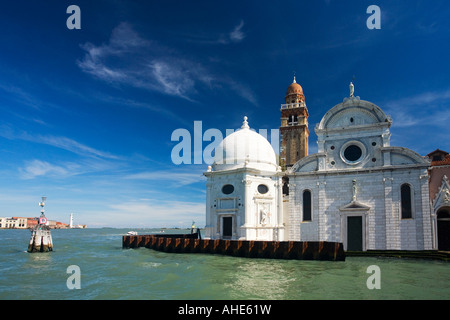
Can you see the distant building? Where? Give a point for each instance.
(21, 222)
(439, 173)
(13, 223)
(32, 222)
(27, 222)
(61, 225)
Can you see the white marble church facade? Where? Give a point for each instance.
(357, 189)
(360, 190)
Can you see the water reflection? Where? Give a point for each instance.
(260, 279)
(40, 257)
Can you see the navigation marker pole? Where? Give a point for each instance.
(41, 238)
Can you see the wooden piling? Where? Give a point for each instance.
(306, 250)
(235, 248)
(206, 246)
(41, 240)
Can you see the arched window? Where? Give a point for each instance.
(406, 201)
(443, 229)
(292, 120)
(285, 186)
(306, 205)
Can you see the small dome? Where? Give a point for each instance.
(245, 148)
(294, 88)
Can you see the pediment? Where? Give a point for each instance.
(354, 206)
(353, 112)
(442, 197)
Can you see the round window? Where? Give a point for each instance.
(353, 152)
(227, 189)
(262, 188)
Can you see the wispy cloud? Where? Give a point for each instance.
(13, 94)
(19, 95)
(123, 42)
(38, 168)
(177, 76)
(427, 107)
(131, 103)
(132, 60)
(61, 142)
(128, 59)
(428, 111)
(72, 146)
(237, 35)
(176, 177)
(242, 90)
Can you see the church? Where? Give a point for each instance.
(357, 189)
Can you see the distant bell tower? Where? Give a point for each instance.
(294, 130)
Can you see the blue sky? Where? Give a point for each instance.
(87, 115)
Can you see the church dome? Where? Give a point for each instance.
(294, 93)
(294, 88)
(245, 148)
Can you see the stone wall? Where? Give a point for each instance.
(377, 200)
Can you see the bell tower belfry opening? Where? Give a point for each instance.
(294, 132)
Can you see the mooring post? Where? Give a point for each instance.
(41, 238)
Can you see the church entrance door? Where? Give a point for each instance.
(443, 229)
(227, 229)
(354, 233)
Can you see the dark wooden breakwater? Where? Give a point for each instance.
(189, 243)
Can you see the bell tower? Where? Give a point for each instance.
(294, 130)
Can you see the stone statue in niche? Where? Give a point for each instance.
(264, 217)
(354, 190)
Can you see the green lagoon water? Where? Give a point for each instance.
(110, 272)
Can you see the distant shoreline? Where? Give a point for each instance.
(128, 228)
